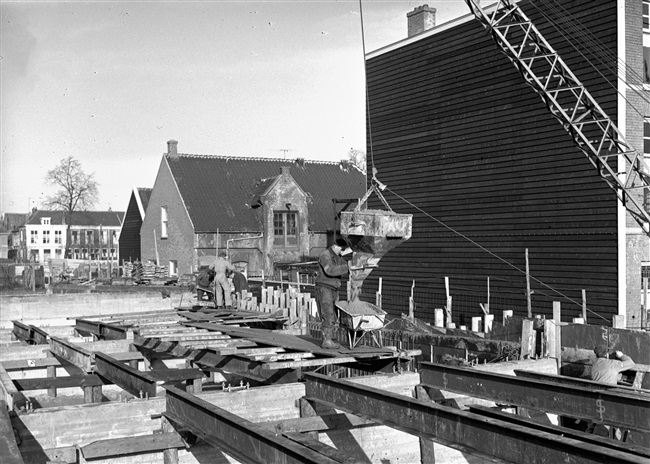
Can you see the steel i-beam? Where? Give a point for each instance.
(245, 441)
(620, 409)
(468, 432)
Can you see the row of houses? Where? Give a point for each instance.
(265, 213)
(495, 184)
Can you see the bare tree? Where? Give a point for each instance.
(76, 190)
(358, 158)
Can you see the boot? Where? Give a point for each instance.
(328, 343)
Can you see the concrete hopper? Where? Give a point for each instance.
(371, 234)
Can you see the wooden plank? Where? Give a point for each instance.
(42, 383)
(28, 364)
(9, 452)
(115, 447)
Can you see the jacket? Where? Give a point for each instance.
(331, 267)
(606, 370)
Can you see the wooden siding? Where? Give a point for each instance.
(471, 151)
(130, 236)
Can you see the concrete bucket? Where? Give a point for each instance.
(371, 234)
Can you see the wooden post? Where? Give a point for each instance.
(527, 339)
(51, 372)
(618, 322)
(170, 456)
(450, 324)
(412, 302)
(557, 312)
(644, 310)
(584, 306)
(439, 317)
(487, 323)
(528, 293)
(155, 246)
(378, 294)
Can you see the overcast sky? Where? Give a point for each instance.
(110, 82)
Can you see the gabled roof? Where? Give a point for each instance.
(14, 220)
(218, 191)
(142, 198)
(80, 218)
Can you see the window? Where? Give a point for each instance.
(646, 15)
(58, 237)
(114, 237)
(46, 221)
(33, 236)
(104, 253)
(285, 229)
(75, 237)
(90, 237)
(46, 236)
(104, 237)
(163, 222)
(173, 268)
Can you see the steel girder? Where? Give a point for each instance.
(468, 432)
(243, 440)
(619, 409)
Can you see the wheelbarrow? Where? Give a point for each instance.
(361, 318)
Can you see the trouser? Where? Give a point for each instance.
(222, 289)
(326, 297)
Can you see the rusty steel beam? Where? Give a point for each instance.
(133, 381)
(80, 357)
(559, 430)
(40, 336)
(102, 330)
(629, 411)
(572, 381)
(22, 331)
(468, 432)
(243, 440)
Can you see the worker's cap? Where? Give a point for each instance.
(601, 351)
(341, 242)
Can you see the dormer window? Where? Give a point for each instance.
(46, 221)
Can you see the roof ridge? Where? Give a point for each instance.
(255, 158)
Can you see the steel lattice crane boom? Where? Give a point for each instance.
(570, 102)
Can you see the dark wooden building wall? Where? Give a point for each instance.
(130, 236)
(471, 151)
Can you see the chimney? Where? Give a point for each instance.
(172, 148)
(285, 171)
(421, 19)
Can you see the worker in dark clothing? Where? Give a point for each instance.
(240, 283)
(331, 267)
(203, 283)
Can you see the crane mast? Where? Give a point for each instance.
(593, 132)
